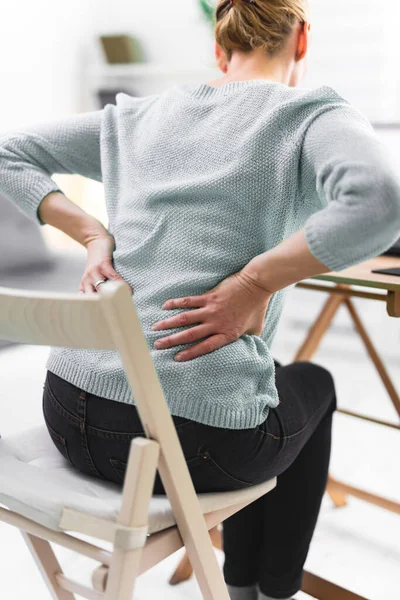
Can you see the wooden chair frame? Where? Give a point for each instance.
(108, 320)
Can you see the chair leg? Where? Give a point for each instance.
(122, 575)
(208, 574)
(100, 577)
(184, 570)
(48, 565)
(216, 538)
(338, 497)
(137, 492)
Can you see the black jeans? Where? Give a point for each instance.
(265, 543)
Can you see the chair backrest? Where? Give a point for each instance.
(107, 320)
(42, 318)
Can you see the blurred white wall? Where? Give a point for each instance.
(45, 46)
(354, 49)
(41, 44)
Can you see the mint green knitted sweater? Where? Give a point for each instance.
(199, 180)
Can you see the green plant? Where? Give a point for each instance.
(208, 9)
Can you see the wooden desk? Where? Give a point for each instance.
(362, 276)
(341, 294)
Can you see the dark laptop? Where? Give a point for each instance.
(394, 250)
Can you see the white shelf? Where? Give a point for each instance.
(142, 78)
(147, 70)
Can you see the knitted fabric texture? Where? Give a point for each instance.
(199, 180)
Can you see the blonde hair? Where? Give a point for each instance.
(246, 25)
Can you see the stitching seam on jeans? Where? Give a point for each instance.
(271, 434)
(84, 440)
(114, 435)
(184, 424)
(60, 409)
(60, 438)
(115, 463)
(289, 437)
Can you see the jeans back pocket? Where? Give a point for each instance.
(205, 472)
(208, 476)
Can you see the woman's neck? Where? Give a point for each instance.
(280, 73)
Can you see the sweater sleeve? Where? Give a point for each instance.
(29, 158)
(345, 166)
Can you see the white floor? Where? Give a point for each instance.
(357, 546)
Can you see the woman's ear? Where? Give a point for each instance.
(303, 40)
(220, 58)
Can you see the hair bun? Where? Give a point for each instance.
(267, 27)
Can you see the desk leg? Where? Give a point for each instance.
(376, 359)
(325, 590)
(319, 328)
(393, 304)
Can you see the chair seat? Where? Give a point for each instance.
(38, 483)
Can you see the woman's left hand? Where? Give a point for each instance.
(236, 306)
(99, 265)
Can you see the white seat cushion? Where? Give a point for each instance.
(38, 483)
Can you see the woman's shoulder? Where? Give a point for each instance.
(322, 92)
(313, 98)
(126, 111)
(125, 103)
(304, 105)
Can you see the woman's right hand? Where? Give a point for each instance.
(236, 306)
(59, 212)
(99, 263)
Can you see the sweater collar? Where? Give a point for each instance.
(203, 90)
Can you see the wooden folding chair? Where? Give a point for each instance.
(45, 496)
